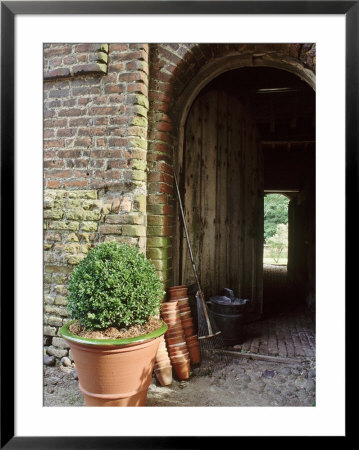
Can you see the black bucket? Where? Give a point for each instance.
(229, 314)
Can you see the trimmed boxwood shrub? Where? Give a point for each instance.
(114, 286)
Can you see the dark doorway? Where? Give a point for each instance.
(279, 112)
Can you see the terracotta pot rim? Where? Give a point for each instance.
(66, 334)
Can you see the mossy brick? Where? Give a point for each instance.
(75, 214)
(47, 288)
(57, 269)
(159, 220)
(139, 164)
(159, 253)
(49, 299)
(49, 331)
(59, 203)
(85, 194)
(103, 48)
(161, 264)
(72, 248)
(63, 225)
(61, 289)
(111, 229)
(106, 208)
(140, 110)
(162, 275)
(74, 259)
(138, 142)
(89, 226)
(53, 214)
(139, 121)
(85, 248)
(139, 175)
(57, 352)
(72, 237)
(50, 257)
(102, 57)
(60, 300)
(122, 240)
(48, 247)
(74, 203)
(135, 219)
(56, 310)
(91, 204)
(59, 278)
(45, 226)
(59, 342)
(53, 237)
(133, 230)
(54, 321)
(140, 203)
(48, 202)
(160, 231)
(142, 100)
(158, 241)
(47, 278)
(91, 215)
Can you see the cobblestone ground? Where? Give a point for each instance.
(220, 380)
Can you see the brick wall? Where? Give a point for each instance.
(95, 130)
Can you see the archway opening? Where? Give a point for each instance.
(249, 131)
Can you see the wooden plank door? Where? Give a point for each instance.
(222, 191)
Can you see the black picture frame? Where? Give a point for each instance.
(9, 10)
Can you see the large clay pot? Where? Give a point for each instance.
(114, 372)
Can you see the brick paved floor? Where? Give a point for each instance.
(286, 329)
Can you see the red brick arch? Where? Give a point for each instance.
(178, 72)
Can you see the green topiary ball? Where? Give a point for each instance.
(114, 286)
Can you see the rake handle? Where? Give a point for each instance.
(200, 293)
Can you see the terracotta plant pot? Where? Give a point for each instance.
(188, 331)
(160, 364)
(178, 291)
(182, 370)
(114, 372)
(164, 375)
(176, 340)
(178, 294)
(194, 353)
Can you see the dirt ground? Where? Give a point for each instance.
(220, 380)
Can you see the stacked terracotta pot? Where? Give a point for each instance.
(178, 294)
(162, 367)
(176, 341)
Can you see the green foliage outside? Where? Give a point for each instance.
(114, 286)
(275, 212)
(278, 244)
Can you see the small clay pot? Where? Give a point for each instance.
(169, 306)
(176, 347)
(182, 370)
(164, 375)
(185, 316)
(175, 329)
(176, 340)
(160, 364)
(194, 353)
(188, 331)
(180, 286)
(180, 358)
(162, 356)
(178, 291)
